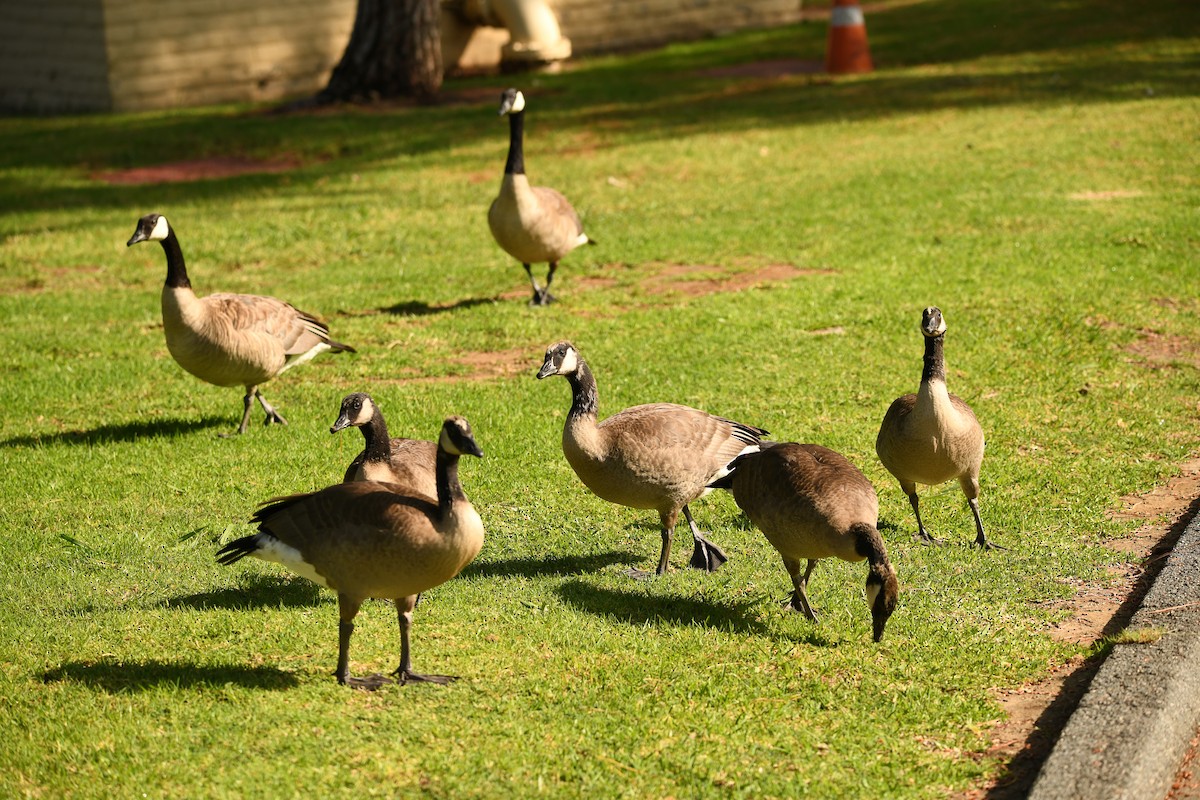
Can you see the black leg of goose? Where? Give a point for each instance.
(272, 414)
(664, 555)
(247, 404)
(707, 556)
(537, 290)
(981, 539)
(799, 599)
(404, 673)
(547, 298)
(922, 535)
(347, 610)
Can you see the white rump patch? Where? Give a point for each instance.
(162, 229)
(294, 361)
(271, 549)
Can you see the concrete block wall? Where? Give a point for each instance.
(122, 55)
(52, 56)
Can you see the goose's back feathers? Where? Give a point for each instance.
(805, 498)
(240, 339)
(659, 455)
(370, 539)
(411, 465)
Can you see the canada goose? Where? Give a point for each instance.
(407, 462)
(812, 503)
(231, 339)
(366, 539)
(659, 456)
(932, 436)
(531, 223)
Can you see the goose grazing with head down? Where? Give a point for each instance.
(531, 223)
(812, 503)
(932, 436)
(231, 339)
(368, 539)
(407, 462)
(660, 456)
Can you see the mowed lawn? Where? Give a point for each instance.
(767, 242)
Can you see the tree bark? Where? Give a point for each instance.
(395, 50)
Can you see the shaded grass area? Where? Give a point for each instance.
(1027, 167)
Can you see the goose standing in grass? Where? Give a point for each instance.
(367, 539)
(231, 339)
(408, 462)
(531, 223)
(932, 436)
(812, 503)
(660, 456)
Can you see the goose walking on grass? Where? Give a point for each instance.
(660, 456)
(533, 224)
(231, 339)
(933, 436)
(812, 503)
(408, 462)
(368, 539)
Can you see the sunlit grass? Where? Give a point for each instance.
(1041, 189)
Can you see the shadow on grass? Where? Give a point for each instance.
(560, 565)
(253, 592)
(138, 676)
(418, 308)
(127, 432)
(638, 609)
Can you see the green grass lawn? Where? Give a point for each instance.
(1031, 168)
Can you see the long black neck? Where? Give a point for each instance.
(516, 144)
(177, 277)
(935, 361)
(378, 447)
(584, 398)
(449, 490)
(869, 544)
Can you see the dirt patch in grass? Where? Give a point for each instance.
(1156, 350)
(198, 169)
(1036, 713)
(693, 280)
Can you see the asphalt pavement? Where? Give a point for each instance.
(1134, 724)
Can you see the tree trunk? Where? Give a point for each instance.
(395, 50)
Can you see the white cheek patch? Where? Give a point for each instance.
(873, 590)
(271, 549)
(161, 230)
(447, 445)
(570, 362)
(518, 104)
(365, 412)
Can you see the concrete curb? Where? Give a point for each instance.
(1133, 726)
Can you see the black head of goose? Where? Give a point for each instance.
(407, 462)
(933, 436)
(368, 539)
(533, 224)
(812, 503)
(231, 339)
(660, 456)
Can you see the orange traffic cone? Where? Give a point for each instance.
(847, 50)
